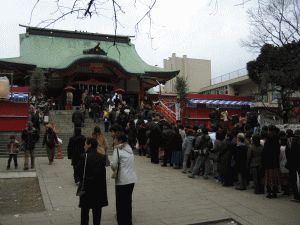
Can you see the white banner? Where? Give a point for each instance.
(178, 111)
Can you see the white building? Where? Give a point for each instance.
(196, 71)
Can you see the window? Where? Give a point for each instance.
(263, 98)
(221, 90)
(276, 95)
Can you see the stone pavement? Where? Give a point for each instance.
(161, 196)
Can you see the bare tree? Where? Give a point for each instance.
(90, 8)
(274, 22)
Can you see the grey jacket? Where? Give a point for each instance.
(127, 171)
(187, 144)
(254, 156)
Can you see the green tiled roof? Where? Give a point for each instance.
(60, 53)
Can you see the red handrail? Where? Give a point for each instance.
(169, 114)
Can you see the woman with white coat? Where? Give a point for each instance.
(127, 178)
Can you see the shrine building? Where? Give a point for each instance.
(85, 61)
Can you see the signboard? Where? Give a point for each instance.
(20, 100)
(46, 119)
(208, 105)
(192, 105)
(178, 111)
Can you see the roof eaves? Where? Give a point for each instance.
(77, 35)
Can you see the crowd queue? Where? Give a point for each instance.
(248, 152)
(267, 156)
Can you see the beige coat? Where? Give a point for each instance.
(102, 143)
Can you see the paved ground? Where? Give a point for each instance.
(161, 196)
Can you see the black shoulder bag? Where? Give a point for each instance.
(80, 189)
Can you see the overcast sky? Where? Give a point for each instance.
(182, 27)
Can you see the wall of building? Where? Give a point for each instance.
(196, 71)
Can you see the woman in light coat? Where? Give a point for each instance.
(127, 178)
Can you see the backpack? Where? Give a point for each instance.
(98, 99)
(205, 145)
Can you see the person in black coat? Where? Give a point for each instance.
(154, 143)
(77, 118)
(142, 138)
(50, 139)
(30, 137)
(270, 162)
(75, 149)
(95, 196)
(122, 118)
(235, 119)
(95, 111)
(212, 116)
(225, 158)
(131, 133)
(36, 121)
(167, 135)
(293, 165)
(240, 157)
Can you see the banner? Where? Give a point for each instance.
(178, 111)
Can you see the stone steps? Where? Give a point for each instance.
(65, 130)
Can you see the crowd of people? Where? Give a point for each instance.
(248, 152)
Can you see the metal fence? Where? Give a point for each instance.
(229, 76)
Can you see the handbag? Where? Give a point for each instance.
(80, 189)
(116, 174)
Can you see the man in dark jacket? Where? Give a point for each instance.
(167, 135)
(30, 137)
(293, 165)
(75, 149)
(112, 116)
(225, 157)
(95, 112)
(50, 139)
(240, 157)
(212, 116)
(77, 118)
(36, 121)
(99, 100)
(122, 118)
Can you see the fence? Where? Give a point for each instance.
(229, 76)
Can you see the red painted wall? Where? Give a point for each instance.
(13, 116)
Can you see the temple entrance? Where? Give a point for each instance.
(131, 100)
(80, 88)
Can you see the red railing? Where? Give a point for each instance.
(168, 113)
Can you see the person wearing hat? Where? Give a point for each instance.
(29, 137)
(49, 139)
